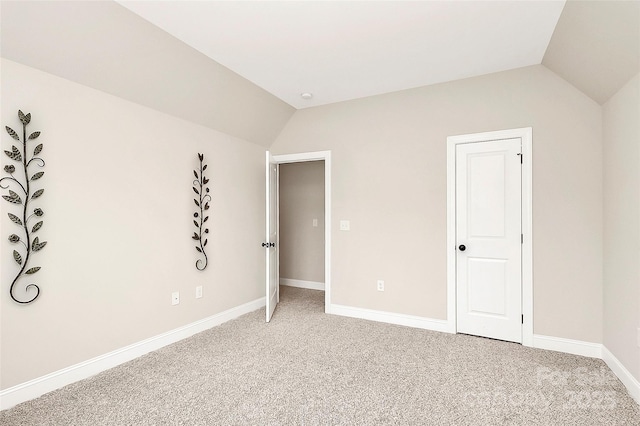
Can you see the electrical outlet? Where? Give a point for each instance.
(175, 297)
(345, 225)
(198, 292)
(380, 285)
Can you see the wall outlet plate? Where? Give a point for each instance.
(380, 285)
(345, 225)
(175, 297)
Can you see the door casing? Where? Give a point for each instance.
(326, 157)
(525, 134)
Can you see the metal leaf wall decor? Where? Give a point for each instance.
(202, 202)
(25, 160)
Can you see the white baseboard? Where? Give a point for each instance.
(575, 347)
(391, 318)
(311, 285)
(41, 385)
(632, 384)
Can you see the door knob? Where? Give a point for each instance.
(462, 247)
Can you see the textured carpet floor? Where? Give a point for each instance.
(308, 368)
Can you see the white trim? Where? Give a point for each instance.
(311, 285)
(52, 381)
(527, 232)
(302, 157)
(575, 347)
(525, 134)
(326, 157)
(391, 318)
(632, 384)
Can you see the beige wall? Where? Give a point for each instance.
(389, 179)
(118, 210)
(622, 225)
(118, 219)
(302, 201)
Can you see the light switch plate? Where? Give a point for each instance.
(315, 223)
(345, 225)
(198, 292)
(175, 297)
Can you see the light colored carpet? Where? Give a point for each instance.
(308, 368)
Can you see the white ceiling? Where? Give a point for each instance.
(341, 50)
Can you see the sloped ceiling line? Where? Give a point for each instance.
(240, 67)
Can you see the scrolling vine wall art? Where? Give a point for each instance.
(202, 202)
(24, 187)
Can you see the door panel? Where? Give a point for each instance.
(485, 174)
(487, 286)
(488, 224)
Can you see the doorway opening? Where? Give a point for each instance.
(301, 224)
(304, 250)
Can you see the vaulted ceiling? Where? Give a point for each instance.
(596, 46)
(341, 50)
(344, 50)
(215, 62)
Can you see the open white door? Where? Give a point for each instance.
(270, 245)
(488, 234)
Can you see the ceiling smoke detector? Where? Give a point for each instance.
(306, 96)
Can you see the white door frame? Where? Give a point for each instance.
(326, 157)
(525, 134)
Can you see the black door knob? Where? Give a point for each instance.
(462, 247)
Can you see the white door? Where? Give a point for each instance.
(271, 243)
(488, 239)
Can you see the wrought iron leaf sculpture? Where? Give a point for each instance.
(21, 156)
(202, 202)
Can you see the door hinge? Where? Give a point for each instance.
(521, 238)
(520, 155)
(522, 318)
